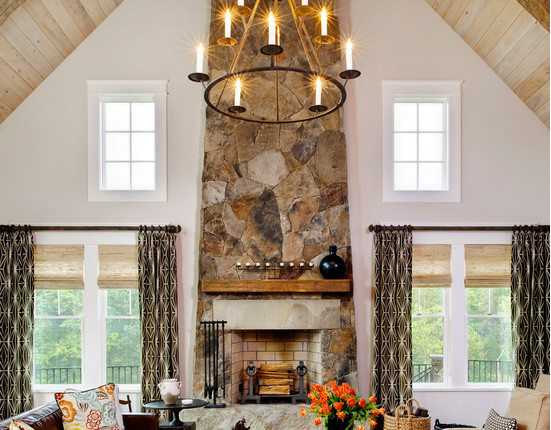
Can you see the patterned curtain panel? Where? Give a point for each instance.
(530, 303)
(16, 320)
(158, 307)
(392, 378)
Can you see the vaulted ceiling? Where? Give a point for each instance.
(512, 36)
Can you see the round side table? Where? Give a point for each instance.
(175, 409)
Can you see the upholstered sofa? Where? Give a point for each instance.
(48, 417)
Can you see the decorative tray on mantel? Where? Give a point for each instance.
(276, 285)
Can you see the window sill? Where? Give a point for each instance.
(473, 389)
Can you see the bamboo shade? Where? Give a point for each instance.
(487, 266)
(59, 267)
(118, 266)
(431, 266)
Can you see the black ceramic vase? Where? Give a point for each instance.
(332, 266)
(334, 423)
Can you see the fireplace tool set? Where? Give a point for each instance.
(213, 331)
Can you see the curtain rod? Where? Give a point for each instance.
(170, 228)
(377, 228)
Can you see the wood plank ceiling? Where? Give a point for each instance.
(36, 36)
(513, 40)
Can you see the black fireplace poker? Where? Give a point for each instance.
(213, 331)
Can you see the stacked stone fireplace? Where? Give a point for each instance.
(274, 194)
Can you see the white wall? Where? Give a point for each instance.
(43, 146)
(505, 162)
(505, 148)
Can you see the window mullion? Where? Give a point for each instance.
(92, 367)
(457, 353)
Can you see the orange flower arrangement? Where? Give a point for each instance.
(340, 402)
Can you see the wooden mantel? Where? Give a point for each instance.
(276, 286)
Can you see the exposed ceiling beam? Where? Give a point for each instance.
(539, 9)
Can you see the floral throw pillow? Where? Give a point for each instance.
(88, 410)
(19, 425)
(497, 422)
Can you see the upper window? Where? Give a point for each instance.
(127, 141)
(421, 135)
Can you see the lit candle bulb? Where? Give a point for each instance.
(323, 22)
(271, 29)
(238, 264)
(318, 91)
(247, 265)
(267, 264)
(281, 264)
(240, 2)
(311, 264)
(349, 65)
(304, 2)
(257, 264)
(237, 100)
(291, 264)
(228, 24)
(200, 51)
(301, 264)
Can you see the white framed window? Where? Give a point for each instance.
(421, 141)
(87, 331)
(461, 336)
(127, 141)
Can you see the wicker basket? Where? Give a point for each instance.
(408, 422)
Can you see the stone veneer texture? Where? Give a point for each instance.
(273, 193)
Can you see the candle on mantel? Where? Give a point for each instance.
(301, 264)
(199, 65)
(281, 264)
(291, 264)
(228, 24)
(237, 99)
(318, 91)
(267, 264)
(271, 29)
(349, 65)
(311, 264)
(323, 22)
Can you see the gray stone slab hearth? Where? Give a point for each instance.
(257, 417)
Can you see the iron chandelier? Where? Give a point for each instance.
(287, 89)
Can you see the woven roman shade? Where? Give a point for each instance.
(59, 267)
(431, 266)
(487, 266)
(118, 266)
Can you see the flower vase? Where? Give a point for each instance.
(332, 266)
(333, 423)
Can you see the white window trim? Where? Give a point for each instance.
(93, 332)
(97, 89)
(448, 89)
(457, 374)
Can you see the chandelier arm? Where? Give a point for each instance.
(314, 51)
(244, 37)
(300, 35)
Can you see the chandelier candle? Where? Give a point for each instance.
(240, 2)
(318, 91)
(271, 29)
(237, 100)
(349, 55)
(227, 32)
(304, 2)
(323, 22)
(200, 51)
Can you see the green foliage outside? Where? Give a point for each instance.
(58, 343)
(488, 328)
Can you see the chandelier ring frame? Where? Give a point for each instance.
(309, 73)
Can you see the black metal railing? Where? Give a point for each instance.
(73, 375)
(479, 371)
